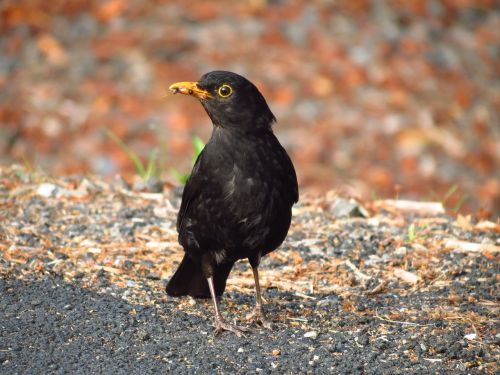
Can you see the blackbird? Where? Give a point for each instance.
(237, 202)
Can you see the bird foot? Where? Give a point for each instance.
(221, 326)
(258, 317)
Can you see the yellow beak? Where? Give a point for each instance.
(189, 88)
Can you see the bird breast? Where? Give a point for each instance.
(251, 173)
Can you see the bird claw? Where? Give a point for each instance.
(221, 326)
(258, 317)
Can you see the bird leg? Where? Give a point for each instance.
(220, 323)
(258, 316)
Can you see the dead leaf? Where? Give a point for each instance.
(424, 208)
(110, 9)
(464, 222)
(52, 49)
(465, 247)
(406, 276)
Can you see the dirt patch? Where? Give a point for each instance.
(83, 266)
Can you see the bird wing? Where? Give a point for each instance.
(289, 171)
(191, 190)
(293, 181)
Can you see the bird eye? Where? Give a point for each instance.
(225, 91)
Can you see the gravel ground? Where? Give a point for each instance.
(83, 266)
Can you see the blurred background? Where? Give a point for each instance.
(373, 98)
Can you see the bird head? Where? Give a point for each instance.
(230, 100)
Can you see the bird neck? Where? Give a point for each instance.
(245, 121)
(256, 125)
(234, 135)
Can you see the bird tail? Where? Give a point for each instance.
(190, 280)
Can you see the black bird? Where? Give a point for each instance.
(237, 202)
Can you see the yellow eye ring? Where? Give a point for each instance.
(225, 91)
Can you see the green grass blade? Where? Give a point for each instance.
(134, 158)
(151, 169)
(460, 203)
(411, 235)
(181, 177)
(449, 193)
(198, 146)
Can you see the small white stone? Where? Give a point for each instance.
(240, 350)
(160, 212)
(471, 336)
(401, 251)
(46, 190)
(311, 334)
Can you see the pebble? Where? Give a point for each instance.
(46, 190)
(347, 208)
(311, 334)
(363, 340)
